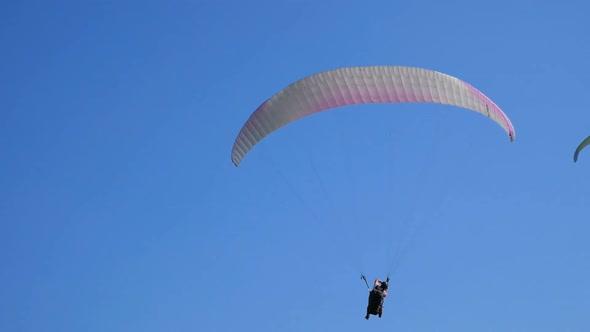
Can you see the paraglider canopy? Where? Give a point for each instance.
(580, 147)
(362, 85)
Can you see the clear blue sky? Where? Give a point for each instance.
(120, 209)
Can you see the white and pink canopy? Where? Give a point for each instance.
(362, 85)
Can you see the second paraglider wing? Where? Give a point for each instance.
(581, 147)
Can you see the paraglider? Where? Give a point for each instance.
(361, 85)
(580, 147)
(376, 297)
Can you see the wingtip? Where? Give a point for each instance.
(235, 161)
